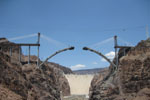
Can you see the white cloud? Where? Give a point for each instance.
(77, 67)
(109, 55)
(95, 63)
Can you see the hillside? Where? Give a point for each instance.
(132, 79)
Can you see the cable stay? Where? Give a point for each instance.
(96, 45)
(20, 37)
(53, 41)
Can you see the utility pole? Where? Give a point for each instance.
(147, 33)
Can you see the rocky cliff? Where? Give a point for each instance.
(132, 79)
(98, 78)
(5, 48)
(21, 81)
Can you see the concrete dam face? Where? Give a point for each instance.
(79, 84)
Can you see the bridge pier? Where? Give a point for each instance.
(19, 54)
(38, 42)
(29, 56)
(10, 51)
(124, 51)
(116, 55)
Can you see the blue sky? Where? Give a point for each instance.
(78, 23)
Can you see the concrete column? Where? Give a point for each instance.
(116, 55)
(29, 56)
(19, 54)
(124, 51)
(10, 51)
(38, 49)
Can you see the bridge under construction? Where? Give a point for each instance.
(79, 84)
(37, 44)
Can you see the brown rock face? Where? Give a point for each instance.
(60, 67)
(98, 78)
(6, 94)
(12, 77)
(143, 94)
(27, 81)
(59, 73)
(131, 81)
(64, 86)
(4, 48)
(135, 77)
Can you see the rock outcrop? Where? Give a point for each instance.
(132, 79)
(6, 94)
(59, 71)
(98, 78)
(5, 48)
(28, 81)
(64, 69)
(22, 81)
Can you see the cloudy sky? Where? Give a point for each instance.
(79, 23)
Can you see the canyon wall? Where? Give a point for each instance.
(132, 79)
(22, 81)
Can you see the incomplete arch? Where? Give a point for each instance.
(86, 48)
(70, 48)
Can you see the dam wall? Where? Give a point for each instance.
(79, 84)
